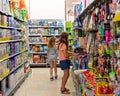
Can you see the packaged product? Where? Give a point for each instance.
(36, 59)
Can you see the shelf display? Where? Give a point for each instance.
(14, 66)
(68, 28)
(38, 36)
(101, 28)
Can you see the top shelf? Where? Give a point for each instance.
(89, 7)
(8, 14)
(46, 26)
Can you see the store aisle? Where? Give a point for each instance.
(39, 84)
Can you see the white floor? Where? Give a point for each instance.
(39, 84)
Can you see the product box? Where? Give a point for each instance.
(81, 41)
(41, 48)
(60, 23)
(0, 19)
(45, 48)
(56, 31)
(36, 58)
(12, 32)
(12, 48)
(0, 34)
(52, 32)
(1, 70)
(11, 81)
(3, 86)
(12, 63)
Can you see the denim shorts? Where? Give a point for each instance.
(65, 64)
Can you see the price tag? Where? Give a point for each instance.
(101, 79)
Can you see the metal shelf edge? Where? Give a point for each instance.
(13, 71)
(12, 55)
(11, 41)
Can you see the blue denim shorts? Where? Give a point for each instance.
(65, 64)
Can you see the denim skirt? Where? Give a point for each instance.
(65, 64)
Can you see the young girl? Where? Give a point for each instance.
(63, 55)
(52, 57)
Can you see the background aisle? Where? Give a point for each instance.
(39, 84)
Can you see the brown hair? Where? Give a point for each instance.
(51, 42)
(63, 39)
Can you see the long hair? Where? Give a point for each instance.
(51, 42)
(63, 39)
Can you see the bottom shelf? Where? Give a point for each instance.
(42, 65)
(12, 91)
(78, 86)
(38, 65)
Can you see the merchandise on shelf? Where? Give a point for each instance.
(4, 68)
(46, 22)
(70, 34)
(38, 48)
(11, 81)
(46, 31)
(39, 33)
(36, 31)
(37, 59)
(13, 55)
(15, 47)
(10, 64)
(36, 39)
(101, 28)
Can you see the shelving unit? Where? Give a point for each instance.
(6, 41)
(68, 28)
(98, 22)
(14, 66)
(40, 31)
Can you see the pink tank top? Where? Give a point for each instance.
(60, 52)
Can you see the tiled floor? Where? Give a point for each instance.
(39, 84)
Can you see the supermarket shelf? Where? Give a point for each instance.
(42, 65)
(18, 84)
(39, 43)
(87, 90)
(89, 7)
(76, 83)
(7, 27)
(19, 19)
(12, 41)
(48, 65)
(38, 52)
(46, 26)
(18, 29)
(13, 71)
(9, 14)
(12, 55)
(39, 65)
(43, 35)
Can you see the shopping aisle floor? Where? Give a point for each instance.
(39, 84)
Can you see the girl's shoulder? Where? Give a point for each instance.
(62, 46)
